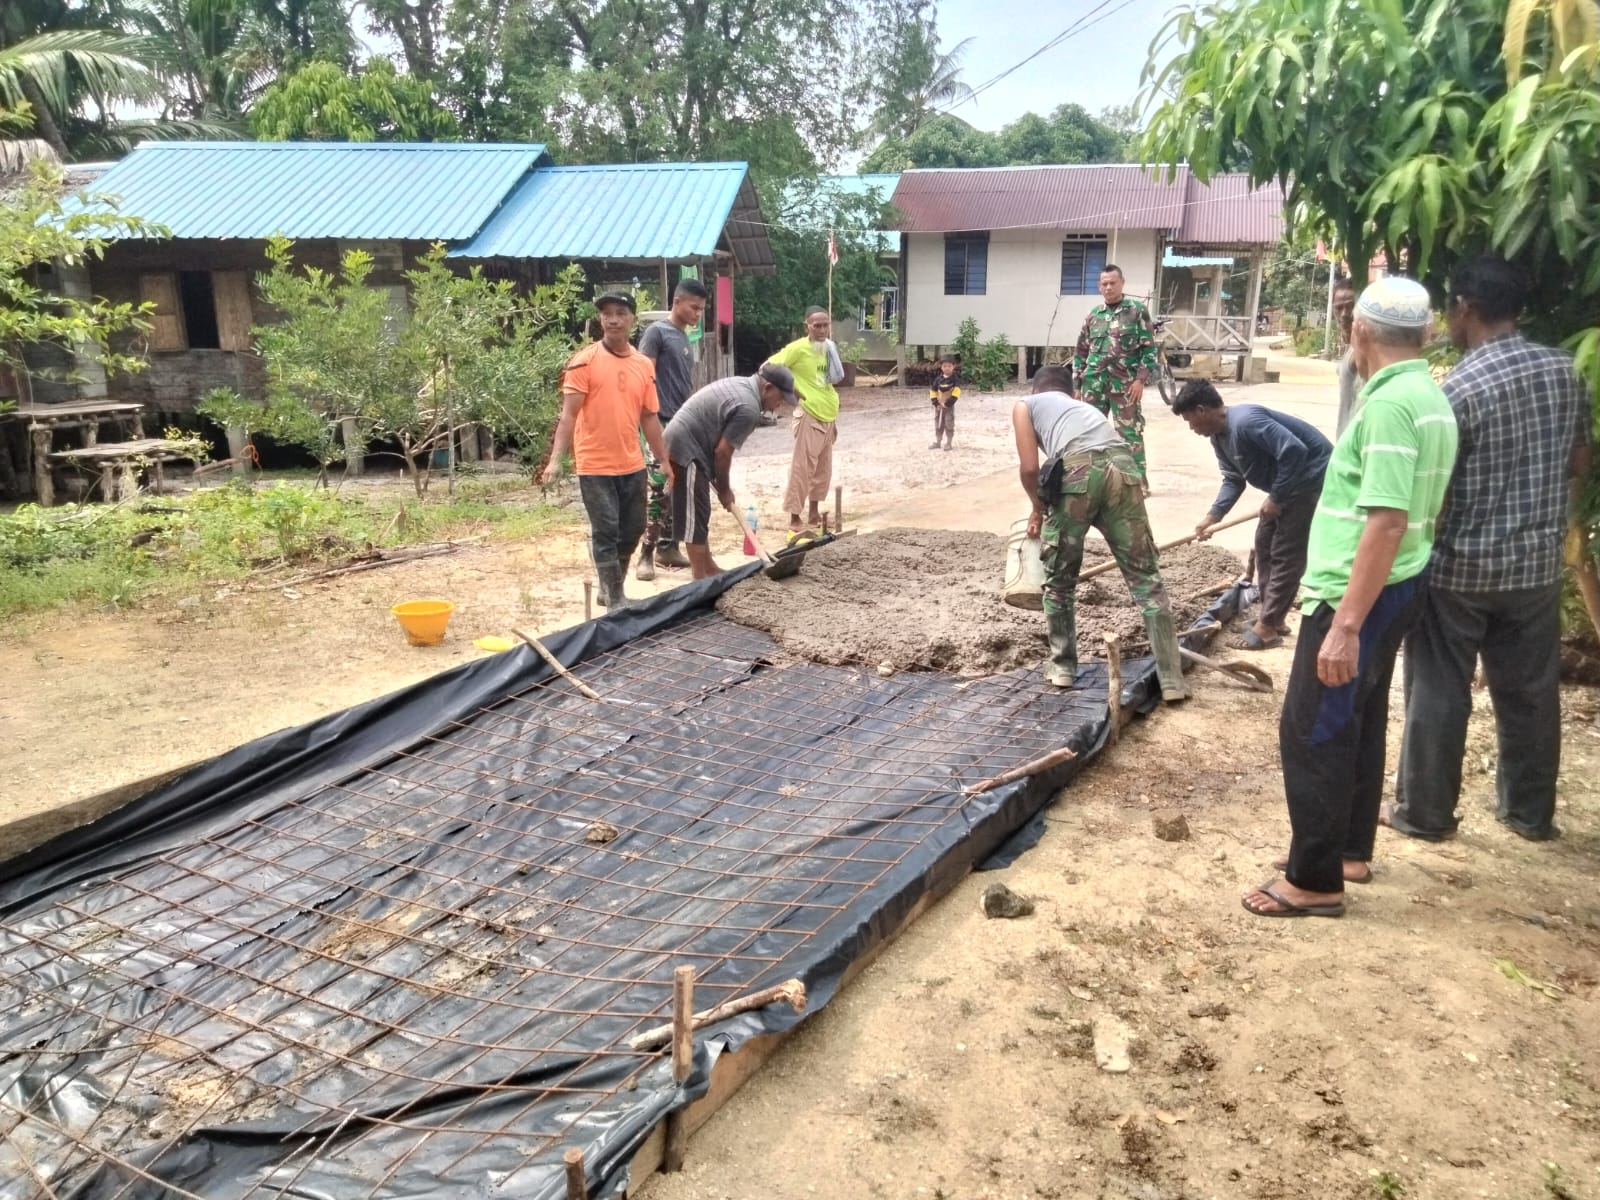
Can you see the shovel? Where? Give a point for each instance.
(1172, 545)
(1253, 678)
(775, 568)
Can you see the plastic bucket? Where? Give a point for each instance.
(1024, 569)
(424, 620)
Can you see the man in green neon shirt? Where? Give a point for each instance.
(1370, 542)
(814, 360)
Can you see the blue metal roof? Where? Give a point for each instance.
(428, 191)
(635, 211)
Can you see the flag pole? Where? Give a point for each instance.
(830, 274)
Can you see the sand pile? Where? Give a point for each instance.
(924, 599)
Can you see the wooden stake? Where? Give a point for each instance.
(1114, 687)
(577, 1185)
(682, 1063)
(556, 664)
(791, 992)
(1038, 766)
(838, 508)
(588, 599)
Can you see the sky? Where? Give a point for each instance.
(1097, 68)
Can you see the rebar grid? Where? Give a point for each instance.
(449, 950)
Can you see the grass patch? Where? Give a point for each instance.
(116, 555)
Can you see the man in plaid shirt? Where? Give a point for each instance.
(1495, 578)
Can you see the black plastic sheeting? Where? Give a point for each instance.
(399, 952)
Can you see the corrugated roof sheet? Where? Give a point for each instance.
(1084, 199)
(412, 191)
(1229, 212)
(635, 211)
(1089, 199)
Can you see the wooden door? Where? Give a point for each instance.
(166, 322)
(234, 315)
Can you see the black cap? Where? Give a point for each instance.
(781, 378)
(605, 298)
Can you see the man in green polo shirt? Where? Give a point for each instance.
(814, 360)
(1370, 541)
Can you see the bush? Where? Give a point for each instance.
(1308, 342)
(987, 365)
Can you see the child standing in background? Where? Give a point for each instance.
(944, 392)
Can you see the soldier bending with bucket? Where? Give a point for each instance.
(1089, 479)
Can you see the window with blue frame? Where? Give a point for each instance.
(1082, 260)
(966, 264)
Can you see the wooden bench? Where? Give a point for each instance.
(28, 434)
(118, 463)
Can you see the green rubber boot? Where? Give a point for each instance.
(1169, 663)
(1062, 669)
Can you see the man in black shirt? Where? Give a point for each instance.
(667, 343)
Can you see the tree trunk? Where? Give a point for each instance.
(43, 121)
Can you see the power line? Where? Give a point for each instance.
(1078, 26)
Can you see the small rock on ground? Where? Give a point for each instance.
(1001, 901)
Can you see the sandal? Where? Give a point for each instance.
(1282, 864)
(1288, 908)
(1251, 640)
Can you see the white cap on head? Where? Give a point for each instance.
(1396, 301)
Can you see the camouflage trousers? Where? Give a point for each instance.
(1127, 418)
(1099, 490)
(658, 505)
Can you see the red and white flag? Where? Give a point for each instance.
(833, 250)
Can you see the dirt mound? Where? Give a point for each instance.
(925, 599)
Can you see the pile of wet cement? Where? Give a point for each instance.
(925, 599)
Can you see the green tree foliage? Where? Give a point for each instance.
(38, 226)
(641, 80)
(321, 102)
(918, 81)
(774, 306)
(1429, 131)
(342, 362)
(215, 55)
(1070, 134)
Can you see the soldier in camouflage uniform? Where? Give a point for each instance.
(1089, 480)
(1116, 357)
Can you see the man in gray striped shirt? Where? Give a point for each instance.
(1494, 584)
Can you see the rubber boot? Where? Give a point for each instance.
(1062, 669)
(646, 570)
(618, 573)
(602, 590)
(670, 554)
(1169, 663)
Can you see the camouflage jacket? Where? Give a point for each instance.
(1116, 347)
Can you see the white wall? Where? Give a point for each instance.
(1023, 289)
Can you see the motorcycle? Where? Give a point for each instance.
(1165, 383)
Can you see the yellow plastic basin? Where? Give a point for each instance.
(424, 620)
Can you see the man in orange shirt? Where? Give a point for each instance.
(608, 397)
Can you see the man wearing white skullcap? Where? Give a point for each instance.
(1370, 541)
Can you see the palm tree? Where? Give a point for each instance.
(49, 76)
(922, 83)
(215, 54)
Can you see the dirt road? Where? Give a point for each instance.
(1441, 1041)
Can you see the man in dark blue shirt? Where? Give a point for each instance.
(1282, 456)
